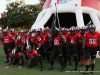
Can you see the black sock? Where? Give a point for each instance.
(92, 67)
(61, 64)
(52, 62)
(87, 67)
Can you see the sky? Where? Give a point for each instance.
(3, 3)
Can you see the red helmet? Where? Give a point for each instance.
(19, 38)
(83, 27)
(63, 29)
(72, 28)
(34, 35)
(31, 30)
(47, 28)
(77, 28)
(22, 31)
(92, 26)
(28, 47)
(39, 30)
(12, 30)
(13, 51)
(5, 30)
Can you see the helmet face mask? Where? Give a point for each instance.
(19, 39)
(5, 32)
(72, 32)
(92, 30)
(82, 31)
(34, 36)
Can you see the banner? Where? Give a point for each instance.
(69, 2)
(3, 15)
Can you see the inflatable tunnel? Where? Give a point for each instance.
(70, 12)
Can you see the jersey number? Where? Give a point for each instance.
(56, 42)
(72, 41)
(92, 41)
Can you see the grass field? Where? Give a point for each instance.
(35, 70)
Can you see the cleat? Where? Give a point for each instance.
(19, 67)
(8, 67)
(61, 69)
(51, 68)
(41, 69)
(85, 72)
(76, 69)
(92, 71)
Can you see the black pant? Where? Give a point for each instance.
(55, 50)
(7, 49)
(12, 45)
(91, 52)
(74, 50)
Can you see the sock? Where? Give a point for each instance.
(92, 67)
(52, 62)
(82, 61)
(87, 67)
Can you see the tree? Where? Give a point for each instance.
(20, 14)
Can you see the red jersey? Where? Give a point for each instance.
(48, 33)
(13, 36)
(2, 41)
(19, 44)
(29, 36)
(57, 41)
(32, 54)
(24, 37)
(6, 39)
(37, 41)
(65, 37)
(18, 55)
(82, 38)
(39, 35)
(44, 37)
(67, 33)
(92, 40)
(73, 38)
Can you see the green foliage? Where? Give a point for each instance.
(19, 14)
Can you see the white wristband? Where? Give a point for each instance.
(37, 48)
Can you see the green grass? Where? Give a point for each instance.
(35, 70)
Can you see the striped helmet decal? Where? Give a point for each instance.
(13, 51)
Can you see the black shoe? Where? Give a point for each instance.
(81, 65)
(85, 72)
(29, 67)
(76, 69)
(7, 61)
(70, 63)
(41, 69)
(64, 66)
(51, 68)
(61, 69)
(49, 62)
(92, 71)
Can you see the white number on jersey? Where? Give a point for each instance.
(92, 41)
(56, 42)
(72, 41)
